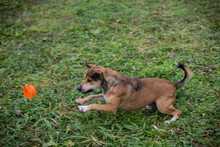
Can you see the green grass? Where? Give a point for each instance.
(46, 42)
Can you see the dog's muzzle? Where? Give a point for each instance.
(81, 90)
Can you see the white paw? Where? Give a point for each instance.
(167, 122)
(149, 107)
(83, 108)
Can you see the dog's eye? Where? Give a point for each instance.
(88, 80)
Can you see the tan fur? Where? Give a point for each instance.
(126, 93)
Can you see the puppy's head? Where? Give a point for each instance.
(92, 79)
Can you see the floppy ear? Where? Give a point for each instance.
(97, 75)
(88, 65)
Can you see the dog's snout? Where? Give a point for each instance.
(79, 88)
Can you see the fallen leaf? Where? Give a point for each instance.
(71, 144)
(17, 112)
(26, 115)
(195, 144)
(172, 54)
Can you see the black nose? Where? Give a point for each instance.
(79, 88)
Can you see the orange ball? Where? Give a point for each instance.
(29, 91)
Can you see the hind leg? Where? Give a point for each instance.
(176, 114)
(165, 106)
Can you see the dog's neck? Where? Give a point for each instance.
(105, 86)
(110, 81)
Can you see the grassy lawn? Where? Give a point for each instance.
(45, 42)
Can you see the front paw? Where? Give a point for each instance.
(83, 108)
(167, 122)
(80, 101)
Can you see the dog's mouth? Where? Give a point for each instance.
(85, 92)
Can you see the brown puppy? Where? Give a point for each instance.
(127, 93)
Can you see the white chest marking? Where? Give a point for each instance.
(106, 99)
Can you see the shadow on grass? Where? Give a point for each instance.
(11, 9)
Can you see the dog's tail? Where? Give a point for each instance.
(188, 75)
